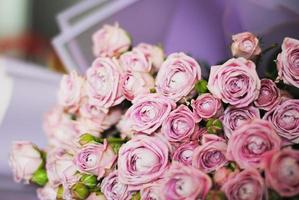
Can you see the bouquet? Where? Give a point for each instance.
(142, 125)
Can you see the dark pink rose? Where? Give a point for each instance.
(206, 106)
(285, 119)
(282, 171)
(210, 156)
(251, 141)
(142, 160)
(179, 126)
(288, 62)
(177, 76)
(234, 117)
(184, 152)
(269, 95)
(246, 185)
(185, 182)
(113, 189)
(235, 82)
(245, 45)
(148, 112)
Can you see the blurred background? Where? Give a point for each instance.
(41, 39)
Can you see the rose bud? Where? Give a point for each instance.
(142, 160)
(247, 185)
(89, 180)
(251, 141)
(234, 117)
(210, 156)
(245, 45)
(151, 191)
(206, 106)
(285, 119)
(70, 91)
(96, 196)
(179, 125)
(282, 171)
(103, 82)
(153, 53)
(136, 83)
(177, 76)
(235, 82)
(86, 138)
(95, 158)
(135, 61)
(214, 126)
(148, 112)
(180, 180)
(110, 41)
(184, 152)
(24, 159)
(215, 195)
(287, 62)
(46, 193)
(269, 95)
(201, 86)
(79, 191)
(221, 175)
(113, 189)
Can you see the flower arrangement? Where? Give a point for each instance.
(138, 125)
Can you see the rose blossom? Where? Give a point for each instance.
(70, 90)
(288, 62)
(148, 112)
(247, 185)
(184, 152)
(206, 106)
(251, 141)
(24, 160)
(113, 189)
(245, 45)
(282, 171)
(210, 156)
(135, 60)
(269, 95)
(95, 158)
(177, 76)
(103, 82)
(142, 160)
(46, 193)
(136, 83)
(125, 128)
(153, 53)
(151, 191)
(110, 41)
(234, 117)
(185, 182)
(179, 125)
(235, 82)
(285, 119)
(222, 175)
(211, 137)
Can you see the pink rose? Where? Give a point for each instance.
(288, 62)
(103, 82)
(125, 128)
(222, 175)
(96, 196)
(113, 189)
(211, 137)
(110, 41)
(184, 153)
(24, 160)
(95, 158)
(282, 171)
(234, 117)
(154, 53)
(142, 160)
(251, 141)
(235, 82)
(185, 182)
(285, 119)
(151, 191)
(179, 126)
(210, 156)
(269, 95)
(206, 106)
(135, 60)
(70, 91)
(136, 83)
(245, 45)
(177, 76)
(60, 167)
(247, 185)
(46, 193)
(148, 112)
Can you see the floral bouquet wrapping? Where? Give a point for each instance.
(143, 125)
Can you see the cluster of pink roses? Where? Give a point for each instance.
(141, 126)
